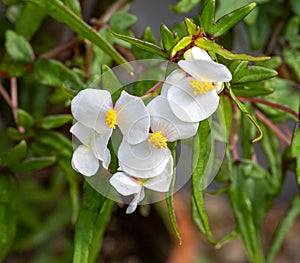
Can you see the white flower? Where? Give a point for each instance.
(150, 157)
(128, 185)
(97, 118)
(194, 97)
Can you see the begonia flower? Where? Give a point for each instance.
(150, 157)
(192, 89)
(98, 117)
(128, 185)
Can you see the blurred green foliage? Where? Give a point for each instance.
(40, 192)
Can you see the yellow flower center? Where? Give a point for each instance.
(158, 140)
(111, 118)
(201, 87)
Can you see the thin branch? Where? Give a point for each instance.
(5, 95)
(273, 127)
(53, 53)
(109, 12)
(14, 101)
(271, 104)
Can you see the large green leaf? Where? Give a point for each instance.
(228, 21)
(54, 121)
(63, 14)
(169, 37)
(201, 152)
(207, 16)
(54, 73)
(94, 207)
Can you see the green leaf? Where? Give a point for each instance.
(169, 196)
(18, 47)
(9, 208)
(67, 91)
(184, 6)
(209, 45)
(191, 27)
(110, 82)
(54, 121)
(244, 110)
(251, 90)
(59, 143)
(63, 14)
(207, 16)
(74, 5)
(169, 37)
(181, 44)
(33, 164)
(246, 74)
(15, 155)
(228, 21)
(121, 20)
(30, 20)
(295, 4)
(25, 119)
(295, 150)
(54, 73)
(92, 205)
(142, 44)
(201, 153)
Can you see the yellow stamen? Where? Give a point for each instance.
(158, 140)
(111, 118)
(201, 87)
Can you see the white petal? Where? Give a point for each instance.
(161, 183)
(172, 79)
(82, 132)
(125, 184)
(84, 161)
(205, 70)
(132, 117)
(189, 107)
(199, 53)
(163, 119)
(142, 160)
(90, 107)
(135, 201)
(99, 145)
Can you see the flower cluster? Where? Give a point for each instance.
(188, 95)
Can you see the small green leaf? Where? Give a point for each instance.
(295, 4)
(33, 164)
(9, 208)
(54, 121)
(15, 156)
(121, 20)
(207, 16)
(228, 21)
(169, 37)
(67, 91)
(25, 119)
(18, 47)
(184, 6)
(214, 47)
(182, 44)
(54, 73)
(191, 27)
(142, 44)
